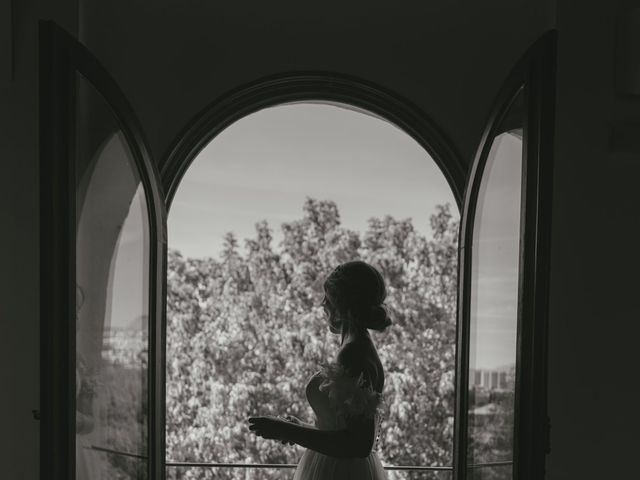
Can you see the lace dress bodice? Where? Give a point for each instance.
(334, 395)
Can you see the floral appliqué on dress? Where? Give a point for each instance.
(349, 396)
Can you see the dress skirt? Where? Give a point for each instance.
(316, 466)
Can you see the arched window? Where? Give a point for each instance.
(264, 213)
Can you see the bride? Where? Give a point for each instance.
(345, 395)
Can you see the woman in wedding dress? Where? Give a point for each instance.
(345, 395)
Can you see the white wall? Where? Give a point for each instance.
(594, 392)
(448, 57)
(19, 238)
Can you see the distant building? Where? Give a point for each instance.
(491, 379)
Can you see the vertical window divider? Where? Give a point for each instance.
(531, 392)
(57, 258)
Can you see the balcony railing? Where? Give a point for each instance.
(414, 468)
(293, 465)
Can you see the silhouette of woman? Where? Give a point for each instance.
(346, 394)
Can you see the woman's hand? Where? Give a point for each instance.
(292, 419)
(271, 428)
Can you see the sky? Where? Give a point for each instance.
(494, 281)
(266, 164)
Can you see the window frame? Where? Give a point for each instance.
(322, 87)
(535, 73)
(61, 58)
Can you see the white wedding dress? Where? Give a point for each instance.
(333, 395)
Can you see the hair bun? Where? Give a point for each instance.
(378, 318)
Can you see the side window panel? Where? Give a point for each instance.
(112, 297)
(494, 302)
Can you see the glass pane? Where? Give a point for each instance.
(494, 298)
(112, 298)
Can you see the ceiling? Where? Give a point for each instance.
(448, 57)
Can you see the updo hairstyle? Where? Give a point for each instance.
(358, 287)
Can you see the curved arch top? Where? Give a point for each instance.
(315, 87)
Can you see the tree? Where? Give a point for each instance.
(245, 333)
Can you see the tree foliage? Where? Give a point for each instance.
(246, 331)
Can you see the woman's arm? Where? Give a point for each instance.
(296, 420)
(354, 441)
